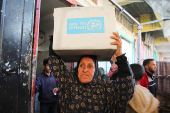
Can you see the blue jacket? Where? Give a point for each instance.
(45, 84)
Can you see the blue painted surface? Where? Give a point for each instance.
(85, 25)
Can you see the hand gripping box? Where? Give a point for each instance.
(84, 31)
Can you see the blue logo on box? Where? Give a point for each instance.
(85, 25)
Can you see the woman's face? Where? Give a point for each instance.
(86, 70)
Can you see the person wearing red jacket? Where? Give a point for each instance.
(148, 79)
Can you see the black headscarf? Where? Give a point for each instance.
(94, 58)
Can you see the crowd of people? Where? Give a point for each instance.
(130, 88)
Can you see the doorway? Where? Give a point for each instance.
(45, 31)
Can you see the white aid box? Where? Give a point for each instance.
(84, 31)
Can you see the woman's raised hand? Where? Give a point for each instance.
(118, 42)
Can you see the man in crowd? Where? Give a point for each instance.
(143, 101)
(148, 79)
(46, 85)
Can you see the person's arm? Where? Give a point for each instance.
(123, 66)
(124, 69)
(37, 84)
(123, 87)
(55, 90)
(61, 74)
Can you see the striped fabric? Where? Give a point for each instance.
(163, 69)
(162, 75)
(168, 69)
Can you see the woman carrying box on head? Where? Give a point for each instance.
(85, 92)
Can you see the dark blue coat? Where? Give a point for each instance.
(44, 85)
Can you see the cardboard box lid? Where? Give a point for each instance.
(84, 30)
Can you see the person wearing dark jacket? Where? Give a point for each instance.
(148, 79)
(84, 92)
(46, 85)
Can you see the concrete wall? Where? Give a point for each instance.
(126, 31)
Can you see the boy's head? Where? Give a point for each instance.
(138, 71)
(46, 66)
(45, 61)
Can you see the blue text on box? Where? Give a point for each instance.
(85, 25)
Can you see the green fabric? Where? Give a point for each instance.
(156, 55)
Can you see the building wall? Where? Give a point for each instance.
(125, 30)
(147, 47)
(130, 37)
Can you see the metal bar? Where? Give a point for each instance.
(120, 13)
(117, 5)
(2, 8)
(155, 21)
(35, 52)
(139, 45)
(139, 27)
(130, 1)
(139, 42)
(26, 54)
(124, 17)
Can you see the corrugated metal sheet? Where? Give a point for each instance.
(138, 8)
(157, 34)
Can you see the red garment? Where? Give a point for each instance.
(149, 84)
(112, 70)
(144, 81)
